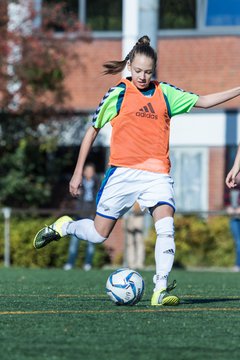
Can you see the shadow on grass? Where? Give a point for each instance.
(207, 301)
(146, 302)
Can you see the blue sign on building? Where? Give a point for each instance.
(223, 13)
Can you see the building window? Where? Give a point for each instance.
(191, 192)
(175, 14)
(56, 15)
(191, 16)
(98, 15)
(104, 15)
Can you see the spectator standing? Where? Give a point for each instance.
(86, 208)
(234, 211)
(134, 242)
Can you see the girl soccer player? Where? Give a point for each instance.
(139, 111)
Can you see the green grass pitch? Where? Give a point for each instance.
(55, 314)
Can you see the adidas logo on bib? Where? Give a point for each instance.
(147, 111)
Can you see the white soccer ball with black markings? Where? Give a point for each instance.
(125, 287)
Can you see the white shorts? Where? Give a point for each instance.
(122, 187)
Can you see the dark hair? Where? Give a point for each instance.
(141, 47)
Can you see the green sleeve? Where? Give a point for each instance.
(108, 107)
(178, 101)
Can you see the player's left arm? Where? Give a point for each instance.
(207, 101)
(178, 101)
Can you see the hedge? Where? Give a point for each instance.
(23, 254)
(199, 242)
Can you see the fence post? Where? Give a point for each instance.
(7, 214)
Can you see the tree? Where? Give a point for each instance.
(34, 61)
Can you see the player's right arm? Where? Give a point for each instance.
(231, 176)
(108, 108)
(88, 140)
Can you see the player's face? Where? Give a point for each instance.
(141, 69)
(88, 171)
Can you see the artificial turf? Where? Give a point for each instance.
(55, 314)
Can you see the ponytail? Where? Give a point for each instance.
(142, 46)
(114, 67)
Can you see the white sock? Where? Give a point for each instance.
(164, 251)
(83, 229)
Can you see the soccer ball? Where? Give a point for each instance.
(125, 287)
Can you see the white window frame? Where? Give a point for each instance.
(179, 188)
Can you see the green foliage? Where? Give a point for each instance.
(30, 162)
(22, 184)
(43, 79)
(22, 232)
(199, 242)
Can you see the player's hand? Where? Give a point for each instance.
(74, 186)
(231, 181)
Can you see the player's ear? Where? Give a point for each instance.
(128, 65)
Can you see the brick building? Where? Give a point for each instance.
(203, 58)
